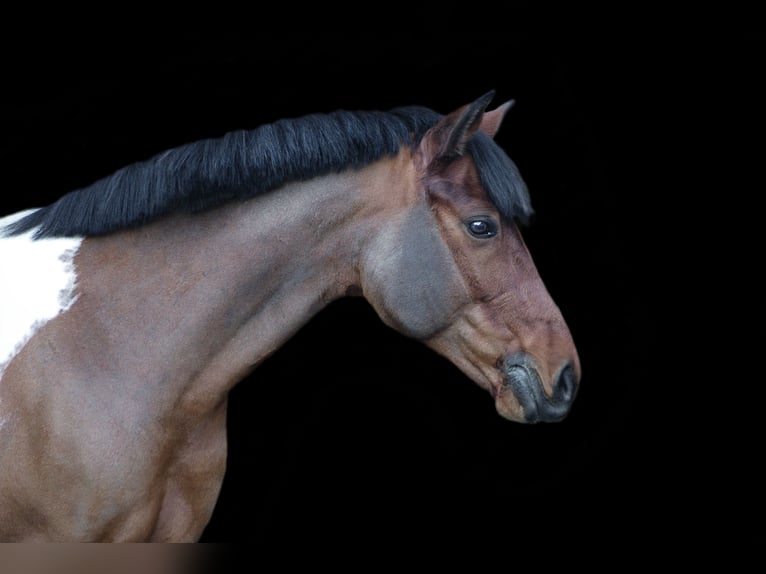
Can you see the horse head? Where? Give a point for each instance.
(452, 270)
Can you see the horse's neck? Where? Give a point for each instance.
(201, 300)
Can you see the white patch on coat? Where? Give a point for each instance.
(37, 282)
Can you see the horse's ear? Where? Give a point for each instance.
(448, 138)
(490, 121)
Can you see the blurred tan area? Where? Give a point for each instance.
(107, 558)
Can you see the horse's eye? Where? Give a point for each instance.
(481, 227)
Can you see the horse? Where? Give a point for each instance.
(130, 308)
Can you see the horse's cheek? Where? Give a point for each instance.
(415, 286)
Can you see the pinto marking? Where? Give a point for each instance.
(37, 283)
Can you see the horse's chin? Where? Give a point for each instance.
(509, 408)
(506, 403)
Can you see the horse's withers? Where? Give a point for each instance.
(36, 284)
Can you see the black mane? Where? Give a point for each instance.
(242, 164)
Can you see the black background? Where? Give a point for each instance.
(351, 434)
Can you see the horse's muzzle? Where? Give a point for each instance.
(522, 378)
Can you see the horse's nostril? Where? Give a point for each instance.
(565, 386)
(523, 383)
(522, 377)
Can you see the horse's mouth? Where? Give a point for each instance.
(522, 397)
